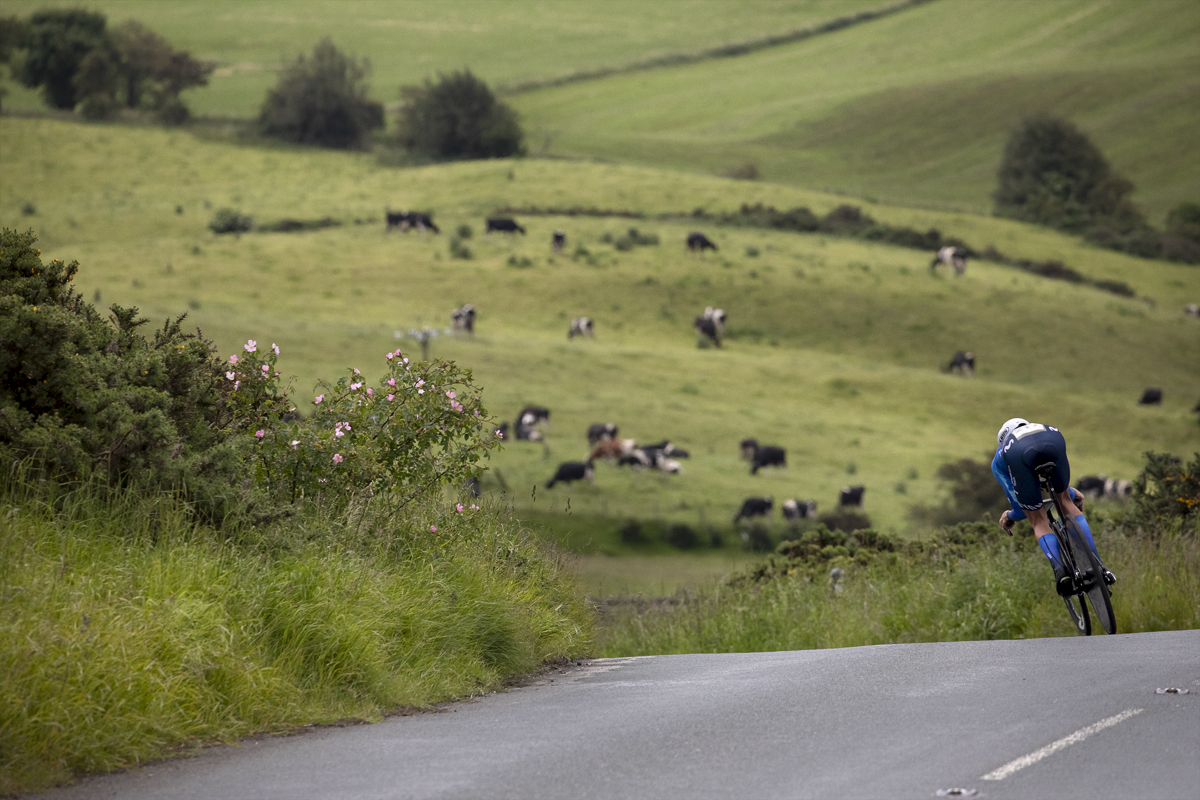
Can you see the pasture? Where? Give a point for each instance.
(834, 349)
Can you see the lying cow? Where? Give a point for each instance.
(600, 431)
(767, 456)
(558, 241)
(463, 319)
(1099, 487)
(851, 496)
(799, 509)
(952, 257)
(963, 362)
(582, 326)
(571, 471)
(755, 507)
(1151, 397)
(698, 241)
(504, 225)
(615, 450)
(1192, 310)
(412, 219)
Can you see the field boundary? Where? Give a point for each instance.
(724, 51)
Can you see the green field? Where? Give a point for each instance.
(835, 347)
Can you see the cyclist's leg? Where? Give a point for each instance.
(1021, 457)
(1056, 447)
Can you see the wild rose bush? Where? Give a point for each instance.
(420, 427)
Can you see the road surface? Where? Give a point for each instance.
(1064, 718)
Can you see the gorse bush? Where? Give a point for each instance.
(457, 117)
(322, 100)
(1166, 490)
(227, 220)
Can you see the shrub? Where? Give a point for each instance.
(458, 249)
(757, 538)
(464, 231)
(1184, 221)
(681, 536)
(322, 101)
(227, 220)
(844, 519)
(631, 532)
(1166, 490)
(457, 117)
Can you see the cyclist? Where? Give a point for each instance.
(1022, 446)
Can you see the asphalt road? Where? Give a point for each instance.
(1063, 718)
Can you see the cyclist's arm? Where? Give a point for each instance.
(1000, 471)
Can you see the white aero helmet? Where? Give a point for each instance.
(1008, 428)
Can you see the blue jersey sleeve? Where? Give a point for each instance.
(1000, 470)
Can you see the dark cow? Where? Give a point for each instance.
(1091, 486)
(412, 219)
(570, 471)
(504, 225)
(799, 509)
(851, 496)
(463, 319)
(706, 329)
(472, 486)
(1151, 397)
(698, 241)
(962, 362)
(600, 431)
(582, 326)
(748, 447)
(558, 241)
(767, 456)
(952, 257)
(755, 507)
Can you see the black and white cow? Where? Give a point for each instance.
(558, 241)
(570, 471)
(463, 319)
(767, 456)
(534, 415)
(582, 326)
(1192, 310)
(717, 315)
(851, 496)
(952, 257)
(1091, 486)
(698, 241)
(963, 362)
(411, 219)
(1151, 397)
(504, 225)
(799, 509)
(601, 431)
(755, 507)
(706, 330)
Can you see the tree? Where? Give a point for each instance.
(12, 35)
(458, 117)
(153, 73)
(1052, 174)
(1184, 220)
(57, 42)
(322, 100)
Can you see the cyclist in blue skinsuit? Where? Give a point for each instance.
(1022, 446)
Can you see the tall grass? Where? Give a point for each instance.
(1002, 593)
(129, 631)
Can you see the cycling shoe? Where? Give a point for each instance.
(1063, 583)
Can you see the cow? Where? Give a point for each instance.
(600, 431)
(662, 455)
(634, 458)
(558, 241)
(1117, 489)
(463, 319)
(1091, 486)
(1192, 310)
(523, 432)
(1151, 397)
(755, 507)
(706, 330)
(962, 362)
(698, 241)
(472, 486)
(534, 415)
(504, 225)
(851, 496)
(748, 447)
(570, 471)
(952, 257)
(799, 509)
(614, 449)
(767, 456)
(582, 326)
(412, 219)
(717, 315)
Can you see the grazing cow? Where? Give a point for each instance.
(962, 362)
(600, 431)
(463, 319)
(581, 326)
(412, 219)
(799, 509)
(698, 241)
(558, 241)
(1151, 397)
(1192, 310)
(707, 328)
(570, 471)
(748, 447)
(614, 449)
(1091, 486)
(952, 257)
(851, 496)
(755, 507)
(534, 415)
(717, 315)
(767, 456)
(1117, 489)
(504, 225)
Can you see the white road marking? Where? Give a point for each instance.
(1054, 747)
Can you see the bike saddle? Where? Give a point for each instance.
(1044, 470)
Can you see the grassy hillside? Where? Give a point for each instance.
(505, 43)
(914, 107)
(835, 345)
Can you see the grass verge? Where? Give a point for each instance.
(130, 632)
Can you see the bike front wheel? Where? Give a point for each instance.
(1077, 609)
